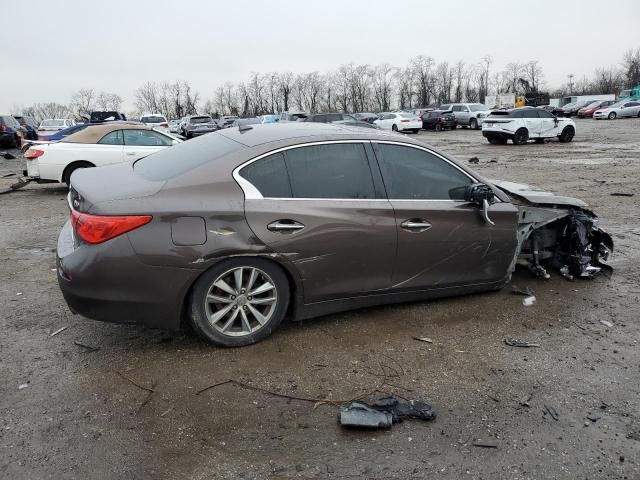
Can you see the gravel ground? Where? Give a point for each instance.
(82, 417)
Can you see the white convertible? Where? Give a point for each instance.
(95, 146)
(526, 123)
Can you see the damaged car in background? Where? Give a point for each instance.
(237, 230)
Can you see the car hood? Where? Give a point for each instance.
(102, 187)
(537, 195)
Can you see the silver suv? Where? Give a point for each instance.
(468, 114)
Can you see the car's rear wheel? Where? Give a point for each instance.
(438, 127)
(394, 128)
(239, 301)
(66, 175)
(567, 135)
(612, 116)
(521, 137)
(473, 123)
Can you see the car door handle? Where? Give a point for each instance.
(285, 226)
(415, 225)
(132, 153)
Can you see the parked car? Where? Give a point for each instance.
(196, 125)
(625, 108)
(526, 123)
(51, 126)
(269, 119)
(106, 116)
(399, 122)
(557, 111)
(59, 135)
(468, 114)
(330, 117)
(11, 132)
(155, 120)
(292, 116)
(94, 146)
(226, 121)
(589, 110)
(572, 109)
(174, 126)
(29, 124)
(366, 117)
(235, 230)
(438, 120)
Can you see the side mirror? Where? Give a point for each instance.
(481, 195)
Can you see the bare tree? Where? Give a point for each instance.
(382, 81)
(108, 101)
(83, 102)
(512, 73)
(631, 67)
(532, 72)
(41, 111)
(421, 69)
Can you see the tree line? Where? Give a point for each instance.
(350, 88)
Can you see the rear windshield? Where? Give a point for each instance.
(477, 107)
(152, 119)
(406, 115)
(52, 123)
(201, 120)
(174, 161)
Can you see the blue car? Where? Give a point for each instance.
(64, 133)
(11, 133)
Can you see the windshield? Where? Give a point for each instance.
(200, 119)
(570, 105)
(179, 159)
(593, 105)
(625, 93)
(153, 119)
(52, 123)
(478, 107)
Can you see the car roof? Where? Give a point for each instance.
(299, 132)
(94, 132)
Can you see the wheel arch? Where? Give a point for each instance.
(295, 284)
(72, 166)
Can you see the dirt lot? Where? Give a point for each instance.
(80, 418)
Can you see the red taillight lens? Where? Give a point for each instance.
(33, 153)
(100, 228)
(404, 121)
(165, 125)
(441, 119)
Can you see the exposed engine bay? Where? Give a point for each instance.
(557, 232)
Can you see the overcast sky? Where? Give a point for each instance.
(52, 48)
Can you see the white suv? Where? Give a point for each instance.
(156, 120)
(527, 123)
(468, 114)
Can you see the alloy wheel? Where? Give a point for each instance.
(241, 301)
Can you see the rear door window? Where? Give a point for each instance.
(112, 138)
(146, 138)
(330, 171)
(269, 175)
(415, 174)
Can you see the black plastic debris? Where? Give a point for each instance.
(474, 160)
(485, 443)
(514, 342)
(384, 412)
(548, 409)
(8, 155)
(622, 194)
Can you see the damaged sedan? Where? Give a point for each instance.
(237, 230)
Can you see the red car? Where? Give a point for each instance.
(587, 112)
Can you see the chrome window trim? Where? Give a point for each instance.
(252, 193)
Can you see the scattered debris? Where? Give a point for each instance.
(622, 194)
(18, 294)
(9, 175)
(593, 418)
(8, 156)
(514, 342)
(60, 330)
(495, 399)
(526, 291)
(22, 386)
(88, 348)
(147, 399)
(15, 186)
(485, 444)
(361, 415)
(166, 412)
(474, 160)
(423, 339)
(606, 323)
(493, 160)
(384, 412)
(134, 382)
(551, 411)
(528, 301)
(525, 401)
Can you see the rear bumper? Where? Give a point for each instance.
(498, 134)
(409, 126)
(107, 282)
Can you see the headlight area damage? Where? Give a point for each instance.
(557, 232)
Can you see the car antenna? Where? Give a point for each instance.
(244, 128)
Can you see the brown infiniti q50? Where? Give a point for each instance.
(238, 229)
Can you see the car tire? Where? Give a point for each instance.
(66, 175)
(438, 127)
(473, 123)
(394, 128)
(15, 143)
(567, 134)
(236, 322)
(521, 136)
(612, 116)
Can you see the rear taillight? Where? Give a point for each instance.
(42, 130)
(100, 228)
(441, 119)
(165, 125)
(33, 153)
(404, 121)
